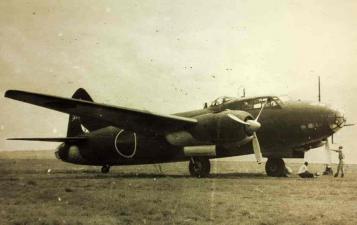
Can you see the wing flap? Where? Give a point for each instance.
(125, 118)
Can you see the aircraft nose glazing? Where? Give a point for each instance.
(340, 120)
(337, 120)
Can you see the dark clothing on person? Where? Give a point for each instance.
(306, 174)
(328, 171)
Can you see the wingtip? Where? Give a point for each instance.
(10, 93)
(11, 139)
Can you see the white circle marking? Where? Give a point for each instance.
(117, 149)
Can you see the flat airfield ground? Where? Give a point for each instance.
(236, 193)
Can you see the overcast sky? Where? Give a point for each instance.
(172, 56)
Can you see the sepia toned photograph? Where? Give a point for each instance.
(178, 112)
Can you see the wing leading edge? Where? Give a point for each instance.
(125, 118)
(52, 139)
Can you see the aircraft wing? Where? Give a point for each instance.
(51, 139)
(125, 118)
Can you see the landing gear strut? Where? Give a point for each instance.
(105, 169)
(275, 167)
(199, 166)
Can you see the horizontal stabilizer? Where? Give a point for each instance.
(58, 139)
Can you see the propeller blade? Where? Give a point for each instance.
(233, 117)
(252, 125)
(256, 148)
(260, 112)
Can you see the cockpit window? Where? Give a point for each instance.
(278, 101)
(220, 101)
(257, 103)
(250, 103)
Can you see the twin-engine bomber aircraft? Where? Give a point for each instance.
(106, 135)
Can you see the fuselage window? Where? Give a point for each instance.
(318, 124)
(310, 126)
(273, 104)
(258, 103)
(247, 105)
(277, 101)
(257, 106)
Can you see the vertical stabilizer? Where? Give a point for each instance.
(75, 123)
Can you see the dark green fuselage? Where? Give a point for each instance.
(287, 130)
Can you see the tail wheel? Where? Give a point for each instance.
(199, 166)
(105, 169)
(275, 167)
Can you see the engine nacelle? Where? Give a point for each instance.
(69, 153)
(213, 128)
(219, 127)
(100, 146)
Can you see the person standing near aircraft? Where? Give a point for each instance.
(341, 157)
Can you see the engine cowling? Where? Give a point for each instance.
(100, 146)
(69, 153)
(213, 128)
(218, 127)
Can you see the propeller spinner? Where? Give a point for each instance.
(252, 126)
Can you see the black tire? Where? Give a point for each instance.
(275, 167)
(105, 169)
(199, 167)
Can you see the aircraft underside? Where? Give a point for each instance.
(113, 146)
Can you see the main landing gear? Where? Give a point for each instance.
(199, 166)
(275, 167)
(105, 169)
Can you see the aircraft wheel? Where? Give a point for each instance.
(275, 167)
(105, 169)
(199, 166)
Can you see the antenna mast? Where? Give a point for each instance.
(319, 90)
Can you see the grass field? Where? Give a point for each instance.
(235, 193)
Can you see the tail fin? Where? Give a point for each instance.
(82, 94)
(76, 124)
(80, 125)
